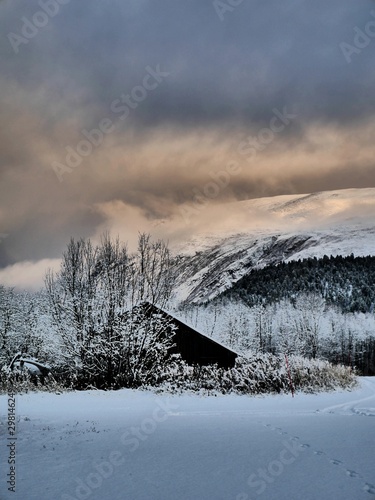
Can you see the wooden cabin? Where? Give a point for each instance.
(194, 347)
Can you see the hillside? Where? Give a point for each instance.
(345, 282)
(257, 233)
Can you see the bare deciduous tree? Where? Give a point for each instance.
(95, 301)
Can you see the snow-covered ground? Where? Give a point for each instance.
(137, 445)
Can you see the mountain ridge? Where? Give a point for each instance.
(281, 228)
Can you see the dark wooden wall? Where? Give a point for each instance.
(194, 347)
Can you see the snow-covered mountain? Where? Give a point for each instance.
(254, 233)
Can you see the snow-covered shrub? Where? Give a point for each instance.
(258, 374)
(314, 375)
(23, 381)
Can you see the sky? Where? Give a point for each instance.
(138, 115)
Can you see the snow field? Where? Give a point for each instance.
(134, 444)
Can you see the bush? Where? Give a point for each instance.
(21, 382)
(258, 374)
(255, 374)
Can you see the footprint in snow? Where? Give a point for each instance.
(352, 473)
(319, 453)
(305, 445)
(370, 488)
(280, 431)
(336, 462)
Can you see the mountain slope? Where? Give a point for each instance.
(266, 231)
(347, 283)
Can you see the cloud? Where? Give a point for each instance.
(226, 78)
(27, 275)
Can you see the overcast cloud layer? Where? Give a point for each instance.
(202, 79)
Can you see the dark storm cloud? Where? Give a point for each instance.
(263, 54)
(226, 78)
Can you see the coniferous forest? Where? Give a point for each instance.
(345, 282)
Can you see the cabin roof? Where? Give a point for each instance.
(189, 327)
